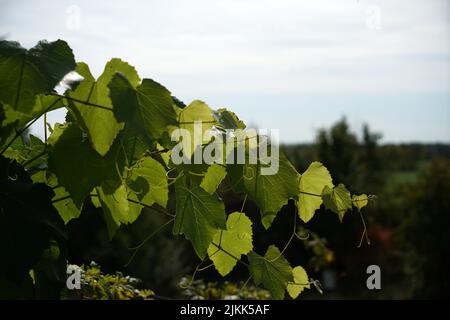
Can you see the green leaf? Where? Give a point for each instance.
(148, 106)
(312, 183)
(228, 119)
(27, 152)
(337, 200)
(27, 73)
(134, 144)
(301, 282)
(360, 201)
(12, 120)
(61, 200)
(198, 215)
(213, 177)
(272, 270)
(100, 123)
(228, 245)
(147, 185)
(115, 207)
(270, 192)
(78, 167)
(196, 111)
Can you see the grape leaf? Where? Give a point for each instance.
(360, 201)
(270, 192)
(61, 200)
(147, 185)
(100, 123)
(148, 106)
(337, 200)
(301, 282)
(213, 177)
(29, 153)
(198, 215)
(78, 167)
(272, 270)
(196, 111)
(228, 119)
(228, 245)
(26, 73)
(115, 208)
(312, 183)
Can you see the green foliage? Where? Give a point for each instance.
(95, 285)
(229, 245)
(270, 192)
(213, 177)
(199, 215)
(272, 270)
(337, 200)
(114, 150)
(201, 290)
(99, 123)
(312, 183)
(301, 282)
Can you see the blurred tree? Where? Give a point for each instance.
(424, 235)
(353, 162)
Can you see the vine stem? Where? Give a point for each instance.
(243, 203)
(197, 269)
(60, 199)
(229, 254)
(364, 232)
(34, 158)
(294, 232)
(151, 207)
(151, 235)
(81, 101)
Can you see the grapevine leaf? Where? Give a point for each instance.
(27, 73)
(134, 144)
(312, 183)
(272, 270)
(61, 200)
(200, 112)
(198, 215)
(228, 245)
(147, 185)
(301, 282)
(360, 201)
(270, 192)
(148, 106)
(11, 120)
(115, 208)
(27, 152)
(337, 200)
(213, 177)
(228, 119)
(100, 123)
(78, 167)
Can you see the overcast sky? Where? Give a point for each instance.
(291, 65)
